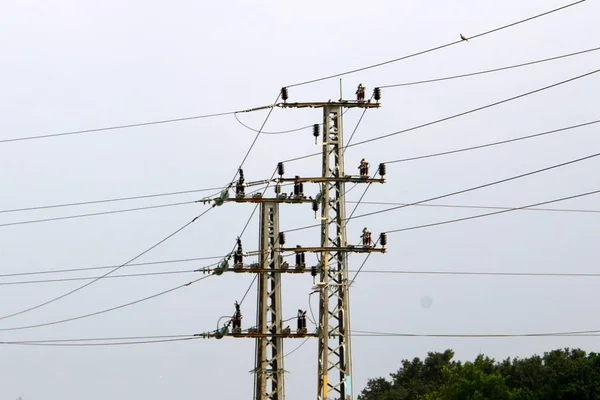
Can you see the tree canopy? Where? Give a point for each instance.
(568, 374)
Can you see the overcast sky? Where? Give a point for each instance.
(71, 65)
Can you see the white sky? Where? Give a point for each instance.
(70, 65)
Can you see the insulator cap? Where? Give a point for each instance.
(377, 94)
(280, 169)
(284, 93)
(316, 130)
(382, 169)
(383, 239)
(282, 238)
(315, 206)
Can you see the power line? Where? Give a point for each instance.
(110, 128)
(83, 278)
(592, 333)
(393, 272)
(81, 203)
(35, 221)
(257, 136)
(493, 213)
(56, 271)
(434, 48)
(437, 121)
(512, 178)
(56, 322)
(100, 339)
(490, 70)
(172, 120)
(463, 191)
(383, 203)
(114, 127)
(482, 273)
(39, 220)
(356, 127)
(273, 132)
(244, 230)
(108, 273)
(139, 255)
(126, 343)
(476, 109)
(193, 202)
(493, 143)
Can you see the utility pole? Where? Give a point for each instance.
(334, 354)
(269, 331)
(269, 379)
(334, 379)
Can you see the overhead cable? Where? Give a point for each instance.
(494, 213)
(62, 296)
(470, 37)
(487, 71)
(62, 321)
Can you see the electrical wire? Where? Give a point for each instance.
(273, 132)
(244, 230)
(66, 217)
(296, 348)
(403, 272)
(437, 121)
(62, 296)
(476, 109)
(490, 70)
(474, 217)
(44, 344)
(434, 48)
(133, 259)
(114, 127)
(493, 143)
(493, 213)
(100, 339)
(165, 121)
(193, 202)
(463, 191)
(361, 266)
(512, 178)
(271, 108)
(477, 207)
(83, 278)
(504, 335)
(357, 125)
(482, 273)
(478, 216)
(57, 271)
(61, 321)
(81, 203)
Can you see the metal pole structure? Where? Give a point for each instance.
(269, 372)
(333, 330)
(335, 368)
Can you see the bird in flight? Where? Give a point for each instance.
(463, 38)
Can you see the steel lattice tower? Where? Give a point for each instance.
(333, 327)
(269, 379)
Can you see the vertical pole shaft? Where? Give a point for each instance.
(334, 368)
(269, 372)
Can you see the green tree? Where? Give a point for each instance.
(557, 375)
(414, 379)
(480, 380)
